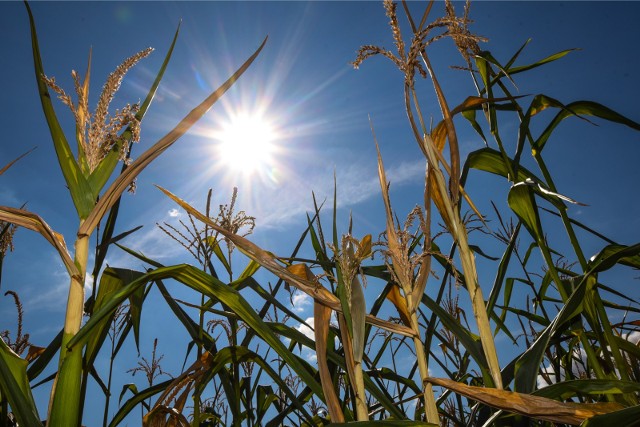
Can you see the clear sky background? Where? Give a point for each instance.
(303, 85)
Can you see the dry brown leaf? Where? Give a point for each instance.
(536, 407)
(34, 222)
(34, 352)
(322, 317)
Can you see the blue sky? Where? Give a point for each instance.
(303, 84)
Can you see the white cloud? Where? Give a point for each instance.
(300, 302)
(174, 213)
(632, 337)
(307, 330)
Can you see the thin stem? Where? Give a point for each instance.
(431, 409)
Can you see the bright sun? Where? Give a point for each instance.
(246, 143)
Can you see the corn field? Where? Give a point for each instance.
(414, 322)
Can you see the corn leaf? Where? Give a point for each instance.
(111, 281)
(358, 316)
(550, 58)
(386, 423)
(240, 354)
(627, 417)
(527, 365)
(14, 385)
(536, 407)
(136, 399)
(35, 223)
(338, 359)
(322, 317)
(593, 387)
(490, 160)
(78, 185)
(616, 254)
(11, 163)
(589, 108)
(213, 288)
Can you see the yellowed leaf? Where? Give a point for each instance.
(34, 352)
(400, 303)
(536, 407)
(34, 222)
(322, 317)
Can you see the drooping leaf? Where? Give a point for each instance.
(111, 281)
(611, 255)
(35, 223)
(322, 317)
(589, 108)
(527, 365)
(526, 404)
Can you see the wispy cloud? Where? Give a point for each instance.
(356, 183)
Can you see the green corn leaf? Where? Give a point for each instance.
(502, 269)
(611, 255)
(217, 250)
(14, 385)
(358, 316)
(137, 399)
(527, 365)
(627, 417)
(248, 271)
(78, 185)
(386, 423)
(43, 360)
(110, 282)
(588, 108)
(338, 359)
(538, 103)
(593, 387)
(208, 285)
(490, 160)
(515, 55)
(522, 201)
(550, 58)
(265, 398)
(239, 354)
(468, 340)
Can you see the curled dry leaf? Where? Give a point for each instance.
(536, 407)
(322, 317)
(35, 223)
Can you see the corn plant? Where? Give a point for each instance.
(102, 140)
